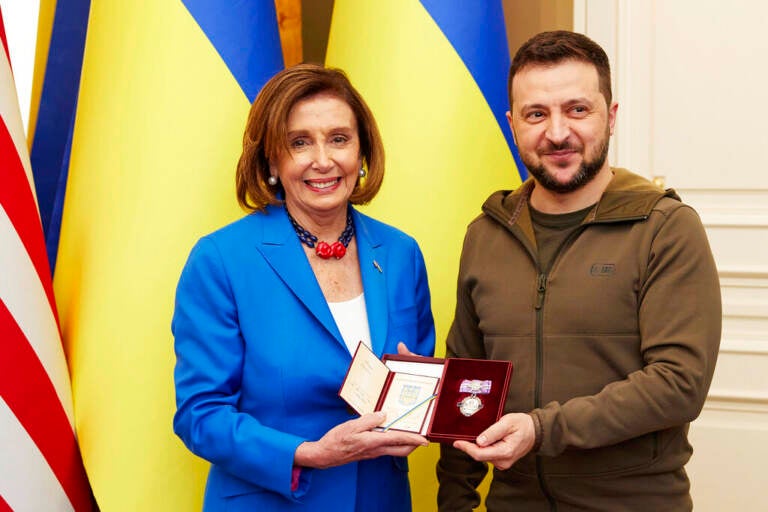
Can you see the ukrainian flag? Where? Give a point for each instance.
(434, 73)
(164, 94)
(59, 58)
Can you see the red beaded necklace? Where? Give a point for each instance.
(324, 249)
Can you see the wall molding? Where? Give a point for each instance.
(734, 395)
(729, 208)
(744, 347)
(736, 401)
(742, 276)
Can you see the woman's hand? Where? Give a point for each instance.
(354, 440)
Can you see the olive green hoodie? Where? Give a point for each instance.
(613, 349)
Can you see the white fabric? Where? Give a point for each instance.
(11, 114)
(24, 296)
(352, 321)
(26, 480)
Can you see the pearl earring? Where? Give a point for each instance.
(272, 180)
(361, 173)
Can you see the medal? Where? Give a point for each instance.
(469, 405)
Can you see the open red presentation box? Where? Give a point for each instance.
(441, 399)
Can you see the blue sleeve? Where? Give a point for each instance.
(209, 368)
(426, 324)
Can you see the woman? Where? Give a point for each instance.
(270, 308)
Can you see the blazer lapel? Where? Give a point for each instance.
(373, 269)
(282, 250)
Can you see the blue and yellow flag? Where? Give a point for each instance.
(164, 94)
(59, 59)
(434, 73)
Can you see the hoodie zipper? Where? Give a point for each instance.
(541, 291)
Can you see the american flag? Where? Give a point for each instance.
(40, 464)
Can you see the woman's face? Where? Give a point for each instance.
(320, 168)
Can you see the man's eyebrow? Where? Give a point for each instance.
(579, 100)
(529, 106)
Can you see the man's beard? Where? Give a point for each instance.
(586, 173)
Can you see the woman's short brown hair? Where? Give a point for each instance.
(266, 133)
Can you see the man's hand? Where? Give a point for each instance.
(504, 442)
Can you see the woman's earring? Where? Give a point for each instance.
(272, 180)
(361, 173)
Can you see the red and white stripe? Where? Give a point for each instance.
(40, 464)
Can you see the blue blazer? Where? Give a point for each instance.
(260, 361)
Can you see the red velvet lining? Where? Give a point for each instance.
(448, 423)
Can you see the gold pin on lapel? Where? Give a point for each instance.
(378, 267)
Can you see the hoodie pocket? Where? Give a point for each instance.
(624, 457)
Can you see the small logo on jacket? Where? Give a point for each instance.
(602, 269)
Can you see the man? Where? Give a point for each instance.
(602, 290)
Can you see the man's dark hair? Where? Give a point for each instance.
(557, 46)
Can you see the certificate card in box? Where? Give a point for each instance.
(405, 394)
(441, 399)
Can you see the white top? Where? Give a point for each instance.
(352, 321)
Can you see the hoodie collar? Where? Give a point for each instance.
(627, 197)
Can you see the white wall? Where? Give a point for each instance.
(20, 20)
(689, 76)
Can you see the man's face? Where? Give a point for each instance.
(561, 123)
